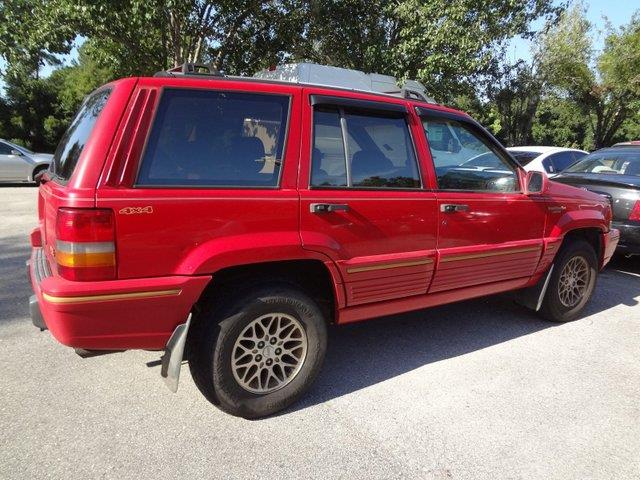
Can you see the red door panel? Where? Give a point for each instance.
(494, 238)
(384, 245)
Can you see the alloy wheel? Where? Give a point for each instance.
(574, 281)
(269, 353)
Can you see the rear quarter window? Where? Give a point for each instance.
(213, 138)
(75, 138)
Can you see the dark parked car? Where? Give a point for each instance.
(615, 173)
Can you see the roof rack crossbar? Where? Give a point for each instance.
(191, 69)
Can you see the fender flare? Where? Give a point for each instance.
(248, 249)
(578, 219)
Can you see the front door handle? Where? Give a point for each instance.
(453, 207)
(328, 207)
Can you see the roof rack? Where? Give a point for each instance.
(314, 74)
(190, 69)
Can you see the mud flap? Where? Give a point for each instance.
(172, 358)
(532, 297)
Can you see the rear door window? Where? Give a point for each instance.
(75, 138)
(378, 153)
(213, 138)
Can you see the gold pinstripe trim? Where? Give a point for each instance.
(455, 258)
(115, 296)
(386, 266)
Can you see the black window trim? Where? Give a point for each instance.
(285, 142)
(357, 104)
(344, 132)
(493, 144)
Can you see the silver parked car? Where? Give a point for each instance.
(19, 164)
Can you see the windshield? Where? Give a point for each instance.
(524, 157)
(20, 148)
(76, 136)
(619, 161)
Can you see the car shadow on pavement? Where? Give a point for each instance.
(625, 264)
(19, 184)
(364, 354)
(14, 283)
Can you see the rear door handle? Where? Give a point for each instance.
(328, 207)
(453, 207)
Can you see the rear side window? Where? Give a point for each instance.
(524, 158)
(75, 138)
(212, 138)
(378, 152)
(5, 149)
(560, 161)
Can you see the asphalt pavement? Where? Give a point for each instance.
(481, 389)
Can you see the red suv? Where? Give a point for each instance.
(230, 220)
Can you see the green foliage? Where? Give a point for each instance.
(559, 121)
(605, 93)
(568, 96)
(515, 92)
(446, 45)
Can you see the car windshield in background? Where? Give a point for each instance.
(618, 161)
(523, 157)
(21, 148)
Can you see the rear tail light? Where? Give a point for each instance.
(635, 212)
(85, 244)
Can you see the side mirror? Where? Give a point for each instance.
(17, 153)
(536, 182)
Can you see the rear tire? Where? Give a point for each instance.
(572, 282)
(258, 353)
(36, 171)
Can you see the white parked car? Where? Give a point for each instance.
(19, 164)
(551, 160)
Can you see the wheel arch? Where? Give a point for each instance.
(37, 169)
(592, 235)
(318, 279)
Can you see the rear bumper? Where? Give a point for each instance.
(629, 238)
(609, 243)
(110, 315)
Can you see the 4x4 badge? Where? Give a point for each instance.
(135, 210)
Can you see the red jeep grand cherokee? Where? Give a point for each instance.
(230, 220)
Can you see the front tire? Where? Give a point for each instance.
(260, 352)
(572, 282)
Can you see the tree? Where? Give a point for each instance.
(442, 43)
(29, 100)
(604, 94)
(515, 92)
(446, 45)
(558, 121)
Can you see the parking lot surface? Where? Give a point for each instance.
(476, 390)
